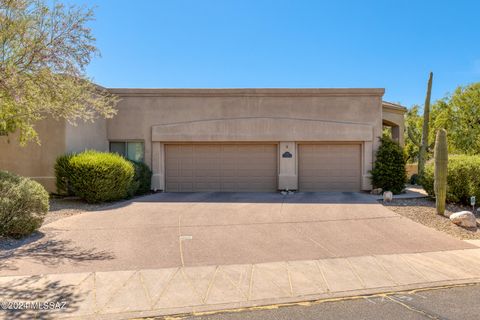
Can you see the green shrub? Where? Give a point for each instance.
(100, 176)
(463, 178)
(62, 169)
(23, 205)
(142, 179)
(389, 168)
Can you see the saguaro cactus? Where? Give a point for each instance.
(441, 167)
(422, 155)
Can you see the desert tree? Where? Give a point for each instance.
(44, 51)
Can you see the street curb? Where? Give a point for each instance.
(277, 302)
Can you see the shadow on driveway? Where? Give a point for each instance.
(223, 197)
(36, 289)
(45, 251)
(261, 197)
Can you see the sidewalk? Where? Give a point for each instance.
(155, 292)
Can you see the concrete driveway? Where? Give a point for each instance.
(192, 229)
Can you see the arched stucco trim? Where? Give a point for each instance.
(262, 129)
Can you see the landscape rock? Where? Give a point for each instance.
(464, 219)
(377, 191)
(387, 196)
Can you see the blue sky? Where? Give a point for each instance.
(243, 43)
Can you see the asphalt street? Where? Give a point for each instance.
(460, 302)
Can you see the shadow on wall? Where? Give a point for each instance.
(46, 251)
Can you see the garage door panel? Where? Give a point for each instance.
(223, 167)
(324, 167)
(333, 174)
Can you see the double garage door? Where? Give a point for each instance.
(253, 167)
(221, 167)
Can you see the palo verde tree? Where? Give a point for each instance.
(413, 126)
(458, 113)
(43, 55)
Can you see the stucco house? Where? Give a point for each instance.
(228, 139)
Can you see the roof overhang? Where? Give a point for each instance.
(241, 92)
(393, 107)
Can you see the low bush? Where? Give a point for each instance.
(62, 169)
(142, 179)
(389, 168)
(23, 205)
(463, 178)
(100, 176)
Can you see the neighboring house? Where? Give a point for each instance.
(228, 139)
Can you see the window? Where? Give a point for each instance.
(131, 150)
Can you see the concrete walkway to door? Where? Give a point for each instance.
(169, 253)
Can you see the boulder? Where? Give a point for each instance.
(464, 219)
(387, 196)
(377, 191)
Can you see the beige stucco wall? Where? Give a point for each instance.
(86, 135)
(33, 160)
(56, 137)
(158, 116)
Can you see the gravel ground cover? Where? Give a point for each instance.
(422, 210)
(66, 207)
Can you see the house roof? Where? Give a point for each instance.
(394, 107)
(249, 92)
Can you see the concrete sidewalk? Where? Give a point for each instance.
(154, 292)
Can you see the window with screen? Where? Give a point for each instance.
(132, 150)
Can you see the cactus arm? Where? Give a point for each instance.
(426, 123)
(412, 137)
(441, 168)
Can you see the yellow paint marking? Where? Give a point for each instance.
(314, 302)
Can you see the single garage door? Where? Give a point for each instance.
(329, 167)
(221, 167)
